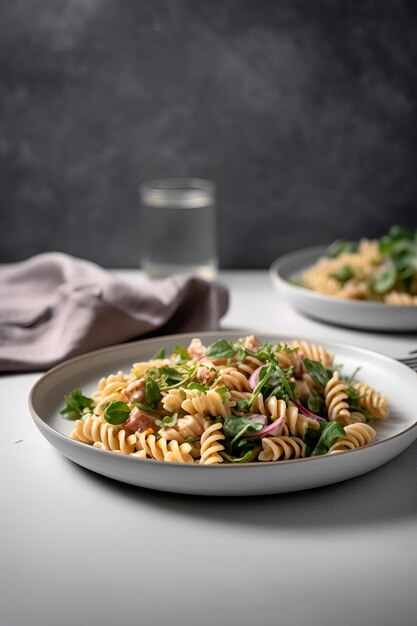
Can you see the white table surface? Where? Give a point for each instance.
(77, 548)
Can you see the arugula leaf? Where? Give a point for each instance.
(116, 412)
(339, 246)
(320, 374)
(182, 353)
(76, 403)
(315, 402)
(198, 386)
(344, 274)
(221, 349)
(145, 407)
(159, 355)
(248, 456)
(168, 420)
(320, 440)
(242, 406)
(354, 405)
(385, 280)
(396, 234)
(191, 440)
(152, 393)
(234, 426)
(171, 373)
(351, 378)
(222, 391)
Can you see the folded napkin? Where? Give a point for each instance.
(54, 306)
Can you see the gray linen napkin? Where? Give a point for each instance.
(54, 306)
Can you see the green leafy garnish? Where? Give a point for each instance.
(76, 403)
(237, 426)
(167, 421)
(320, 374)
(399, 247)
(315, 402)
(246, 458)
(354, 398)
(320, 440)
(339, 246)
(152, 392)
(384, 280)
(198, 386)
(221, 349)
(159, 355)
(344, 274)
(182, 353)
(242, 406)
(116, 412)
(222, 392)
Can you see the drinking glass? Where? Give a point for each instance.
(178, 227)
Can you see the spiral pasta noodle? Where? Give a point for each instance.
(372, 401)
(314, 352)
(275, 448)
(232, 378)
(377, 270)
(209, 405)
(357, 435)
(211, 444)
(189, 426)
(100, 434)
(110, 389)
(336, 399)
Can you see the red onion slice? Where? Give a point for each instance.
(307, 412)
(254, 377)
(272, 429)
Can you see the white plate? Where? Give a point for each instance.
(351, 313)
(393, 379)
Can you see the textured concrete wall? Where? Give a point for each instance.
(303, 112)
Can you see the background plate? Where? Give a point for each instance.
(393, 379)
(350, 313)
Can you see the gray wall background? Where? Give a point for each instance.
(303, 112)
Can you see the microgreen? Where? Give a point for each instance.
(116, 412)
(76, 402)
(320, 374)
(315, 402)
(242, 406)
(182, 353)
(167, 421)
(198, 386)
(152, 392)
(320, 440)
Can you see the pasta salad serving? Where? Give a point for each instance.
(229, 402)
(383, 270)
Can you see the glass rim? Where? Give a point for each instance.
(181, 191)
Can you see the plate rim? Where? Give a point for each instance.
(43, 425)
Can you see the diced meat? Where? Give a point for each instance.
(204, 374)
(251, 343)
(196, 348)
(135, 392)
(139, 420)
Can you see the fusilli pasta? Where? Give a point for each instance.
(230, 402)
